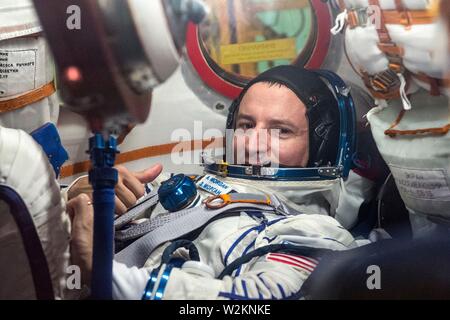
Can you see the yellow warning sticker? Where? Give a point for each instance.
(258, 51)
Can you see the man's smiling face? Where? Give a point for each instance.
(264, 110)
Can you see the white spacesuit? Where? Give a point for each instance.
(402, 68)
(39, 231)
(265, 235)
(274, 275)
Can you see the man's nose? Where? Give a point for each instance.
(258, 141)
(252, 140)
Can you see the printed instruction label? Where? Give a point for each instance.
(17, 71)
(429, 184)
(213, 185)
(258, 51)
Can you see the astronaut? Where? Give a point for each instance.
(242, 231)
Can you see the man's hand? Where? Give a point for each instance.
(81, 213)
(129, 188)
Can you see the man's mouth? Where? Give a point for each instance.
(259, 162)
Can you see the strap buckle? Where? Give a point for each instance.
(223, 168)
(357, 17)
(253, 170)
(405, 18)
(384, 82)
(331, 172)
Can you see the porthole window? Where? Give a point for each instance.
(242, 38)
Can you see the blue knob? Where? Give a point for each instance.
(177, 193)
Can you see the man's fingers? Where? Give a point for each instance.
(81, 186)
(134, 185)
(78, 205)
(82, 214)
(81, 243)
(83, 204)
(125, 195)
(149, 174)
(120, 208)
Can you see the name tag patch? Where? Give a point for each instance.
(17, 71)
(213, 185)
(426, 184)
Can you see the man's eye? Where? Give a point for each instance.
(284, 131)
(245, 125)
